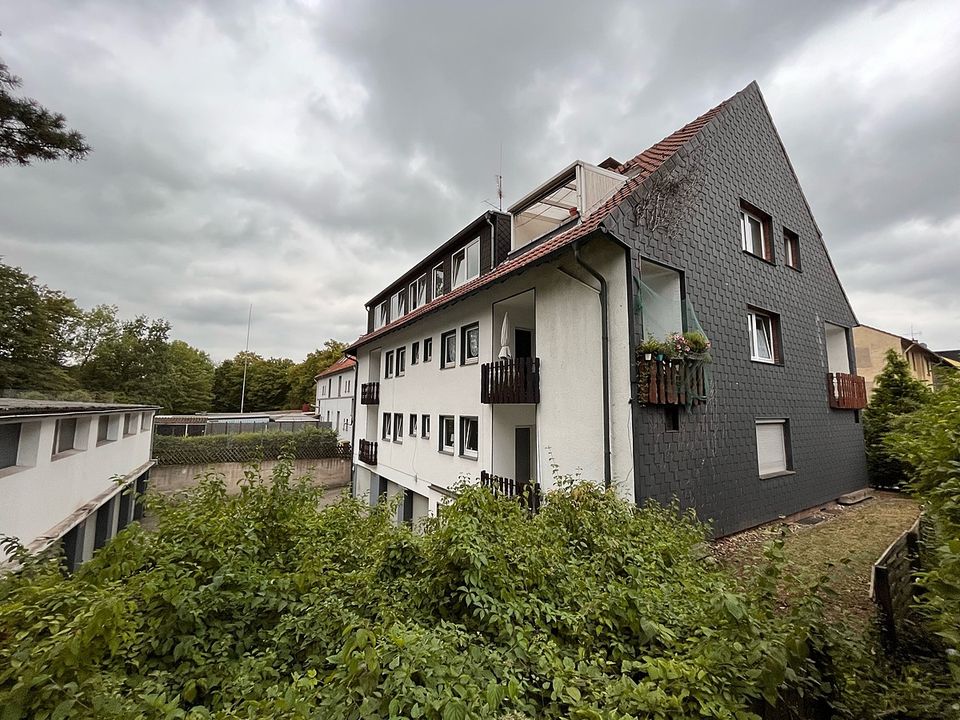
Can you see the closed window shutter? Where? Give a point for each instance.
(771, 451)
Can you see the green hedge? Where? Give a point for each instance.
(245, 447)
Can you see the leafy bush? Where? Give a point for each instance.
(927, 442)
(261, 605)
(244, 447)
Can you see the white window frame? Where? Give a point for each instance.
(398, 427)
(418, 293)
(425, 426)
(388, 364)
(752, 317)
(444, 363)
(466, 452)
(401, 361)
(412, 425)
(415, 352)
(386, 432)
(444, 448)
(461, 259)
(745, 241)
(436, 276)
(398, 304)
(786, 465)
(465, 332)
(791, 250)
(427, 350)
(381, 315)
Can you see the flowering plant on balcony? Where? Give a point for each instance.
(692, 345)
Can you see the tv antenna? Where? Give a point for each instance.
(499, 178)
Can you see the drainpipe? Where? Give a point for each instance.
(605, 364)
(493, 241)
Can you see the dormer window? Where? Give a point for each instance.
(398, 305)
(560, 202)
(418, 292)
(382, 315)
(466, 263)
(437, 281)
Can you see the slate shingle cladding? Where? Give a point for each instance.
(711, 463)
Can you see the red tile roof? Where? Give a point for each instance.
(638, 169)
(344, 363)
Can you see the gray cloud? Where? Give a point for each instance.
(300, 155)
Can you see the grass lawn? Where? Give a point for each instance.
(858, 534)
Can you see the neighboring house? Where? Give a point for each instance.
(511, 350)
(335, 389)
(65, 469)
(871, 347)
(952, 357)
(235, 423)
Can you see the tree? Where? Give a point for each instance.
(186, 385)
(268, 383)
(89, 329)
(896, 393)
(33, 333)
(303, 375)
(28, 131)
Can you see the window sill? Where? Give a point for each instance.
(100, 443)
(795, 269)
(13, 470)
(469, 457)
(65, 453)
(474, 361)
(779, 473)
(448, 367)
(758, 257)
(424, 437)
(761, 361)
(446, 452)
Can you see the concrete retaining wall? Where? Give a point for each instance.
(332, 473)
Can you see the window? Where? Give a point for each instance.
(448, 349)
(446, 434)
(66, 434)
(401, 361)
(470, 344)
(103, 429)
(129, 424)
(412, 429)
(9, 444)
(755, 232)
(398, 305)
(323, 390)
(346, 388)
(387, 426)
(773, 447)
(145, 422)
(466, 263)
(791, 249)
(428, 350)
(415, 353)
(388, 364)
(418, 292)
(764, 337)
(469, 429)
(398, 427)
(425, 426)
(437, 281)
(381, 315)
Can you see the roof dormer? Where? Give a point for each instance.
(561, 201)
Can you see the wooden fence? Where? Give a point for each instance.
(527, 493)
(510, 381)
(671, 382)
(187, 451)
(893, 584)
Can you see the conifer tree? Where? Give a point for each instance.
(896, 392)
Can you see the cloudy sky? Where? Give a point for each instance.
(300, 155)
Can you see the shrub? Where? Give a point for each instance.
(244, 447)
(261, 605)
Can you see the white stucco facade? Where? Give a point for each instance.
(558, 304)
(334, 398)
(63, 466)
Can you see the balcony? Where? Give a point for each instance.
(671, 382)
(528, 494)
(370, 393)
(846, 392)
(510, 381)
(368, 452)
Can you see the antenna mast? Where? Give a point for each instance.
(500, 180)
(246, 359)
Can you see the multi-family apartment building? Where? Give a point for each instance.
(69, 472)
(872, 344)
(335, 390)
(519, 347)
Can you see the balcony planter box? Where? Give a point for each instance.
(672, 381)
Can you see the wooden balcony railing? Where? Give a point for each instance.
(528, 494)
(370, 393)
(671, 382)
(846, 392)
(368, 452)
(514, 380)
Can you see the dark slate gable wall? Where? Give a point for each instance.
(711, 463)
